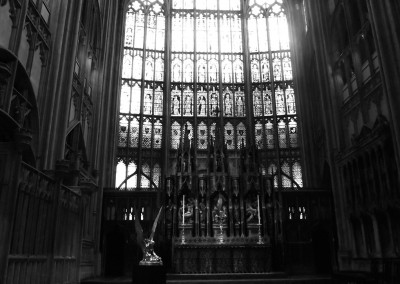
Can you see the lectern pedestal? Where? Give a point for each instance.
(149, 274)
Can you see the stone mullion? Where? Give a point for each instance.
(166, 145)
(220, 91)
(141, 110)
(247, 75)
(273, 101)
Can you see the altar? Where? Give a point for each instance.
(235, 257)
(215, 220)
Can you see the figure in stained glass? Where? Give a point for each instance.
(214, 104)
(280, 101)
(265, 71)
(201, 73)
(228, 104)
(287, 69)
(177, 73)
(277, 70)
(257, 103)
(255, 72)
(147, 104)
(240, 106)
(149, 69)
(290, 102)
(201, 106)
(188, 105)
(176, 103)
(158, 99)
(268, 103)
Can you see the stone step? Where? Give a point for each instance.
(111, 280)
(225, 278)
(248, 278)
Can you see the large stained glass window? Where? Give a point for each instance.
(141, 102)
(274, 105)
(229, 68)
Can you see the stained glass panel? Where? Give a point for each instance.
(240, 104)
(137, 65)
(262, 34)
(127, 64)
(177, 33)
(238, 69)
(175, 135)
(147, 130)
(226, 70)
(241, 135)
(269, 130)
(201, 71)
(188, 70)
(149, 69)
(123, 131)
(120, 173)
(148, 101)
(214, 104)
(139, 101)
(160, 68)
(151, 31)
(156, 174)
(229, 136)
(188, 102)
(134, 132)
(188, 33)
(287, 69)
(176, 103)
(189, 128)
(202, 136)
(265, 69)
(139, 31)
(259, 135)
(176, 69)
(145, 180)
(158, 102)
(202, 103)
(286, 182)
(213, 70)
(135, 99)
(255, 71)
(280, 101)
(132, 179)
(160, 32)
(157, 134)
(268, 110)
(277, 68)
(228, 102)
(297, 174)
(257, 102)
(125, 98)
(293, 133)
(282, 134)
(290, 101)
